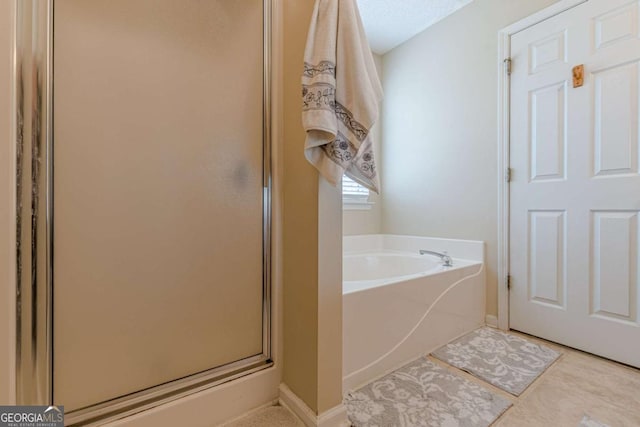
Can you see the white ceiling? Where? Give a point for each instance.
(389, 23)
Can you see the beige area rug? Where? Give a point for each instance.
(423, 394)
(507, 361)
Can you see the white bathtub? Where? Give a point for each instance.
(399, 305)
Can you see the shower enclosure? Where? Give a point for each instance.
(143, 194)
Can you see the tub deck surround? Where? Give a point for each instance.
(368, 270)
(462, 249)
(399, 305)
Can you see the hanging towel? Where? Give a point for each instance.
(341, 94)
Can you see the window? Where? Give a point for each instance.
(354, 195)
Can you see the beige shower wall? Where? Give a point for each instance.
(368, 221)
(439, 154)
(7, 271)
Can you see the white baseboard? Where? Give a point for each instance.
(289, 400)
(491, 320)
(334, 417)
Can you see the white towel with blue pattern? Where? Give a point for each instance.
(341, 94)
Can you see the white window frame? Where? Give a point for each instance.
(354, 195)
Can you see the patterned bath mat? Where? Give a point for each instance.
(587, 421)
(423, 394)
(504, 360)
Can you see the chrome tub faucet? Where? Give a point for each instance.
(446, 259)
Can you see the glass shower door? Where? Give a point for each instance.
(159, 201)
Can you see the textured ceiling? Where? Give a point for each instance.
(391, 22)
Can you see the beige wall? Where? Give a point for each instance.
(439, 160)
(6, 192)
(368, 221)
(300, 239)
(329, 296)
(312, 274)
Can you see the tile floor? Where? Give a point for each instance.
(575, 385)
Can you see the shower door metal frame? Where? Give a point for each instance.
(34, 230)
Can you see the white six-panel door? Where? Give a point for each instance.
(575, 189)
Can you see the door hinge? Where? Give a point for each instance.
(508, 281)
(507, 174)
(507, 66)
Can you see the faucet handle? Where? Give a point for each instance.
(447, 261)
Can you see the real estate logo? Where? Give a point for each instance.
(31, 416)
